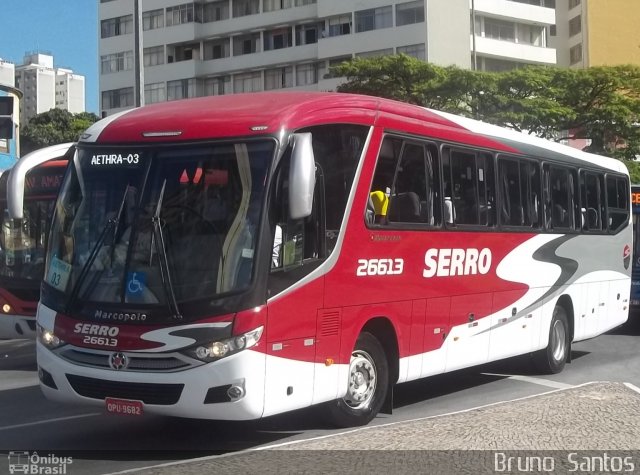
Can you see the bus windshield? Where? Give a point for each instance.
(23, 241)
(158, 226)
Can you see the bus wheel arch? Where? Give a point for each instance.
(373, 368)
(552, 358)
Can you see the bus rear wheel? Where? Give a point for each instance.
(368, 384)
(553, 358)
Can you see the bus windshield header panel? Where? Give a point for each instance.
(157, 227)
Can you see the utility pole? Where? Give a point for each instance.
(138, 68)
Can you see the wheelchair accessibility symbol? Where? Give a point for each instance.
(136, 283)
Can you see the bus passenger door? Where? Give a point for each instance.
(468, 341)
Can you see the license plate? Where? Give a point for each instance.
(123, 406)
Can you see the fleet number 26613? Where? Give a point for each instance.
(380, 267)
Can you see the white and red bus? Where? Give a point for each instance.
(240, 256)
(28, 192)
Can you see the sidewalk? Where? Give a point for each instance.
(602, 418)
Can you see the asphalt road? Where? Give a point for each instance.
(102, 444)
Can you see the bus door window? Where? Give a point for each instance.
(299, 246)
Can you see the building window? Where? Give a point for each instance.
(308, 73)
(154, 93)
(247, 82)
(575, 25)
(185, 13)
(217, 86)
(278, 78)
(112, 63)
(417, 51)
(409, 13)
(300, 3)
(530, 35)
(575, 54)
(117, 98)
(216, 49)
(553, 30)
(573, 3)
(116, 26)
(246, 44)
(374, 19)
(153, 56)
(245, 7)
(185, 52)
(499, 30)
(274, 5)
(309, 33)
(340, 25)
(181, 89)
(153, 19)
(278, 39)
(215, 11)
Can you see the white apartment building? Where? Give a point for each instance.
(46, 87)
(7, 73)
(210, 47)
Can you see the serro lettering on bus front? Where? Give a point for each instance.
(452, 262)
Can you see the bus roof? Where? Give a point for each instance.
(254, 114)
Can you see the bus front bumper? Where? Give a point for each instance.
(201, 392)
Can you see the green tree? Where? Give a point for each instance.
(54, 127)
(601, 104)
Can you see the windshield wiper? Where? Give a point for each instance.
(113, 223)
(163, 259)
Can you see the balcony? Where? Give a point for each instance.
(514, 51)
(514, 11)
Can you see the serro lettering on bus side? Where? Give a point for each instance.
(451, 262)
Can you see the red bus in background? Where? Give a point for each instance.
(27, 194)
(235, 257)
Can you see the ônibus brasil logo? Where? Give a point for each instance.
(32, 463)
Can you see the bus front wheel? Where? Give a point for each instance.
(552, 359)
(368, 384)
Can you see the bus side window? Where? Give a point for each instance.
(469, 187)
(403, 189)
(380, 191)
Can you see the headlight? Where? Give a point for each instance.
(219, 349)
(48, 338)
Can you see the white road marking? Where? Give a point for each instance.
(633, 387)
(539, 381)
(48, 421)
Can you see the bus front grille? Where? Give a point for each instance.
(148, 393)
(136, 361)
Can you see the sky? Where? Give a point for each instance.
(68, 29)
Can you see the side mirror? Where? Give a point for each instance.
(302, 177)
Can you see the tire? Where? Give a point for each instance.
(368, 385)
(553, 358)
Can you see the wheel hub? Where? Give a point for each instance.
(362, 380)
